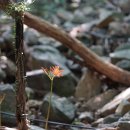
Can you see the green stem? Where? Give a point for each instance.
(48, 113)
(0, 114)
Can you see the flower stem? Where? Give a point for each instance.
(0, 114)
(48, 113)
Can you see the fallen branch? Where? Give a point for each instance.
(90, 58)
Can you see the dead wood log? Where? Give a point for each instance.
(90, 58)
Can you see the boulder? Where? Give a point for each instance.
(123, 108)
(126, 117)
(98, 49)
(88, 86)
(65, 15)
(110, 107)
(45, 56)
(100, 100)
(124, 64)
(2, 75)
(120, 56)
(111, 119)
(33, 127)
(9, 103)
(63, 86)
(62, 110)
(31, 37)
(86, 117)
(124, 125)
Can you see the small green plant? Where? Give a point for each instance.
(51, 73)
(2, 96)
(19, 7)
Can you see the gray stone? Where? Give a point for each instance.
(9, 103)
(123, 107)
(123, 47)
(100, 100)
(7, 66)
(111, 119)
(124, 64)
(110, 107)
(86, 117)
(79, 17)
(65, 15)
(31, 37)
(8, 120)
(126, 117)
(29, 92)
(88, 86)
(45, 56)
(63, 86)
(120, 55)
(33, 127)
(2, 74)
(98, 50)
(124, 125)
(62, 109)
(119, 28)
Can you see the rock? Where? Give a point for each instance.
(33, 127)
(124, 125)
(105, 18)
(100, 100)
(86, 117)
(29, 92)
(120, 55)
(8, 66)
(8, 120)
(65, 15)
(45, 56)
(34, 103)
(63, 86)
(62, 110)
(123, 47)
(110, 107)
(123, 108)
(126, 117)
(119, 28)
(2, 75)
(88, 86)
(122, 4)
(8, 37)
(9, 103)
(98, 121)
(124, 64)
(98, 50)
(51, 42)
(31, 37)
(79, 17)
(111, 119)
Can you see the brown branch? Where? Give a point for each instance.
(90, 58)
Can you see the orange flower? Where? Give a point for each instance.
(53, 72)
(56, 71)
